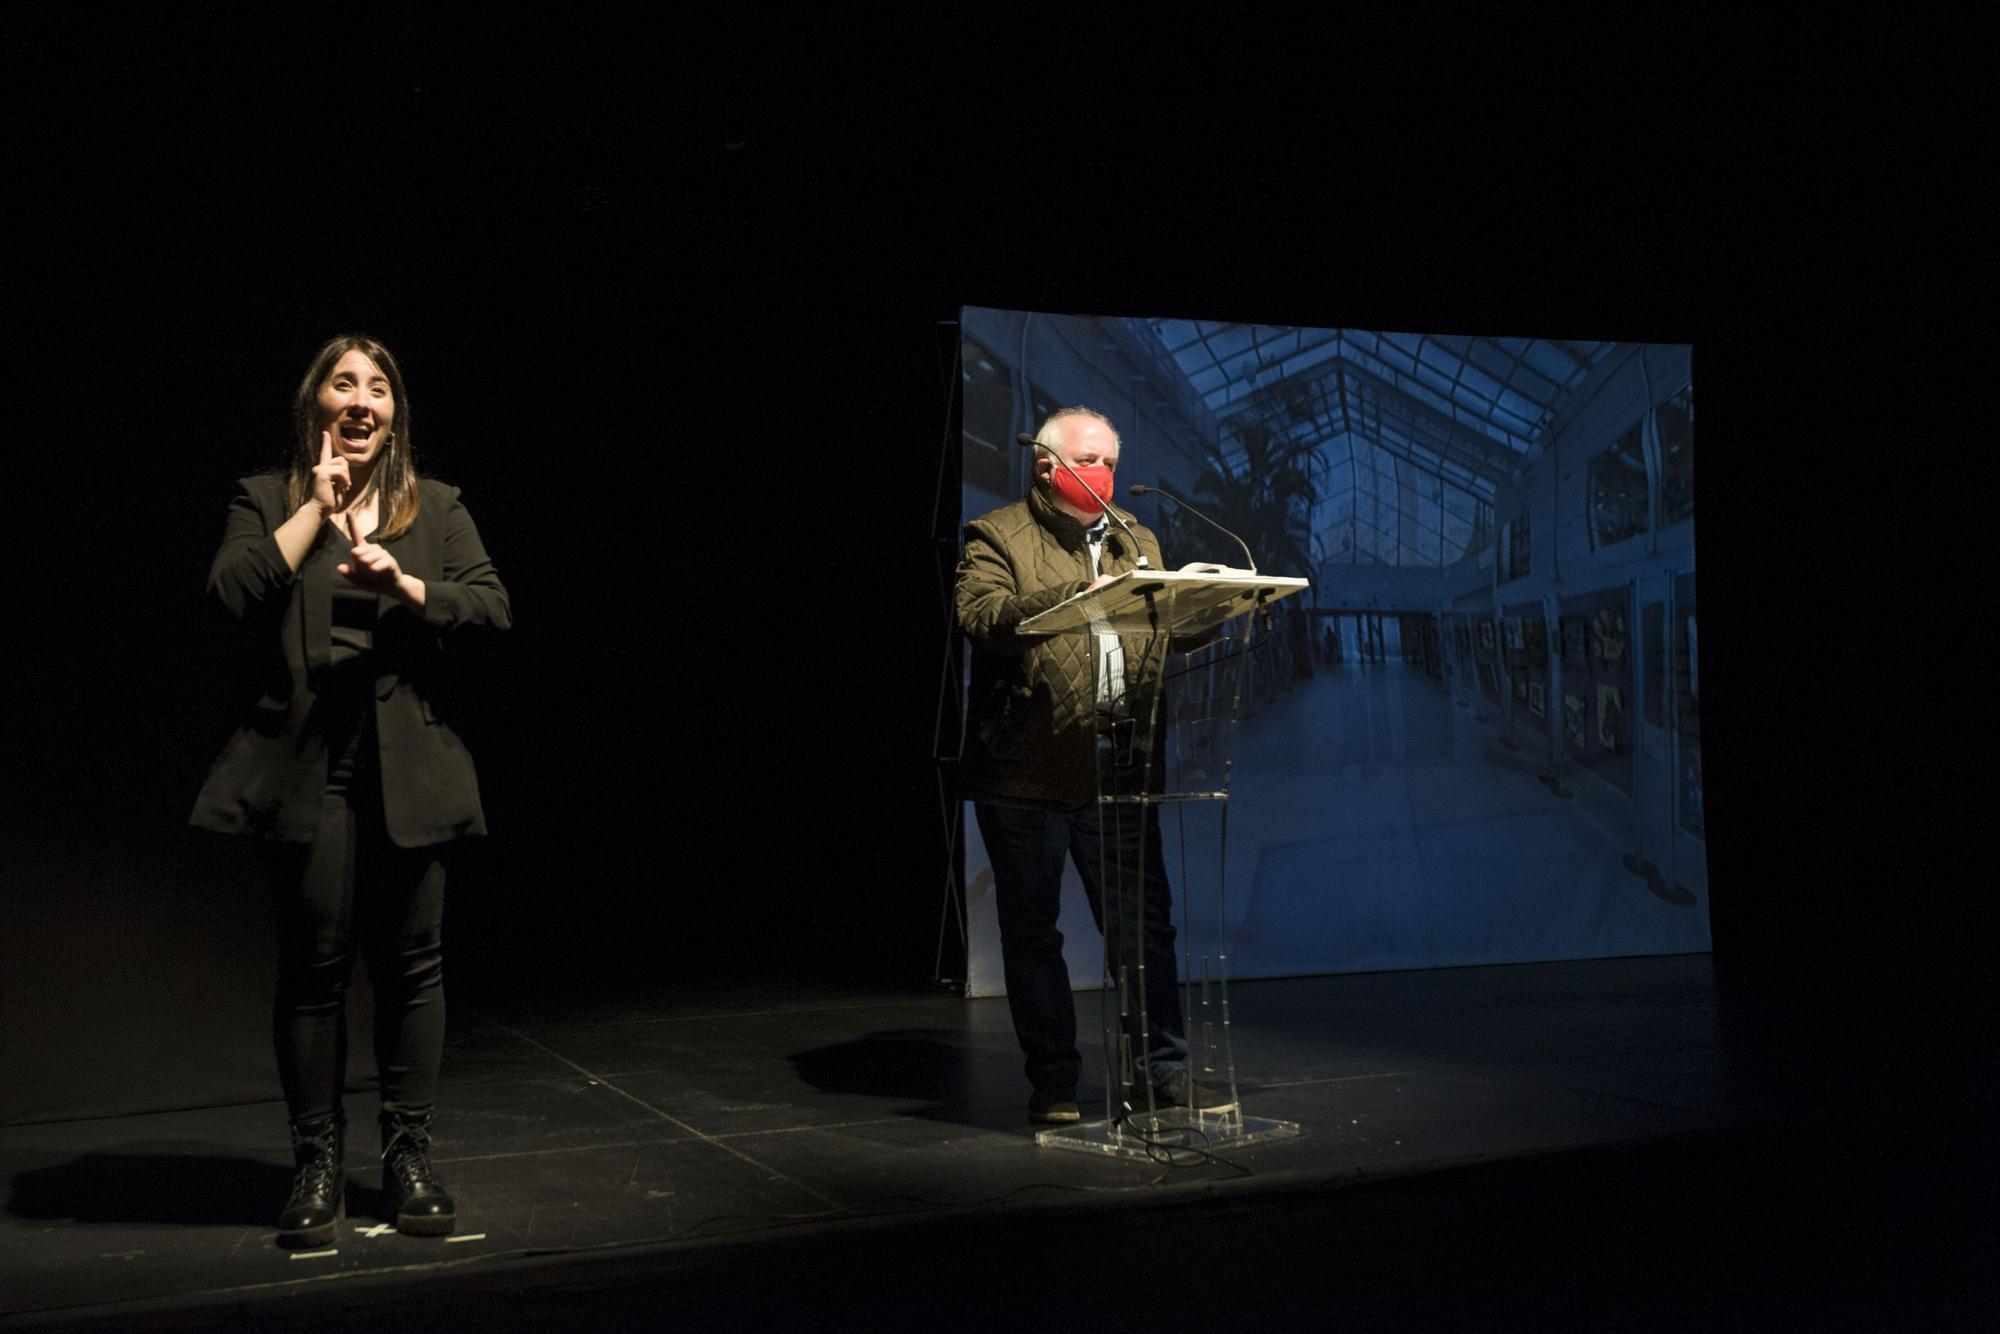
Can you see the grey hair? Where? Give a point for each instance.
(1052, 437)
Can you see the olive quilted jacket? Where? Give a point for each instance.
(1030, 737)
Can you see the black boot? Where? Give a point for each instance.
(414, 1194)
(318, 1202)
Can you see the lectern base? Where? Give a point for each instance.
(1161, 1135)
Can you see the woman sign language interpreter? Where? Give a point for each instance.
(351, 574)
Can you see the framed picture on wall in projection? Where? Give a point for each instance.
(1607, 633)
(1575, 641)
(1598, 692)
(1610, 718)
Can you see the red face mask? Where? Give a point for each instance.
(1095, 475)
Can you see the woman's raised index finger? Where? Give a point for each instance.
(326, 446)
(354, 526)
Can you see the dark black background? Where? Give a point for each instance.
(668, 291)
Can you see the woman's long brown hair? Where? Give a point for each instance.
(395, 474)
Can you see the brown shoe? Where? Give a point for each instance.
(1180, 1090)
(1053, 1107)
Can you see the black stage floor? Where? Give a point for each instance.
(1566, 1145)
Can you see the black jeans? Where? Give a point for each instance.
(349, 885)
(1027, 848)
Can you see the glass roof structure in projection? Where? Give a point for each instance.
(1412, 434)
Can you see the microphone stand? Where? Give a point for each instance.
(1156, 491)
(1262, 611)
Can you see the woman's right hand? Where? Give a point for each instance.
(330, 479)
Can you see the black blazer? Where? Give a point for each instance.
(270, 776)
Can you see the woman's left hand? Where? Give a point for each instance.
(373, 567)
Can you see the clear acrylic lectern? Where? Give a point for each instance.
(1178, 677)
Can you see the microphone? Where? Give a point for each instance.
(1027, 441)
(1155, 491)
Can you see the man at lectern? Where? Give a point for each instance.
(1043, 733)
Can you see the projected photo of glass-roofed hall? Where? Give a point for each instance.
(1476, 739)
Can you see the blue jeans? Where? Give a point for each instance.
(1026, 848)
